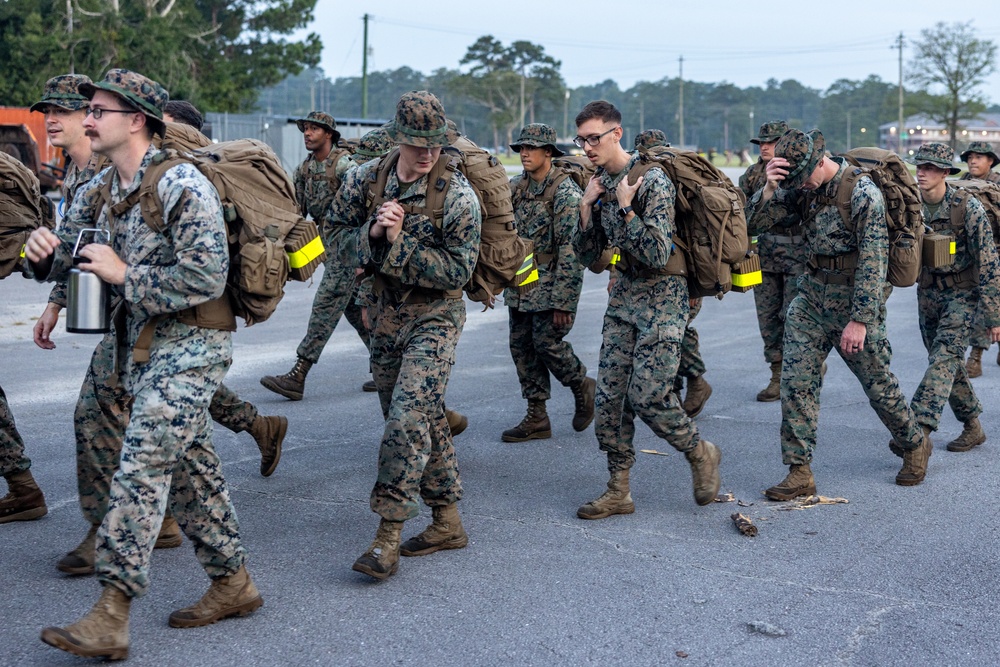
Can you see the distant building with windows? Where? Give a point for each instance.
(921, 129)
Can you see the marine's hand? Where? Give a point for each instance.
(388, 221)
(44, 326)
(776, 171)
(852, 340)
(562, 318)
(41, 244)
(995, 334)
(627, 192)
(103, 262)
(593, 192)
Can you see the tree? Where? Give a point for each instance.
(850, 106)
(951, 59)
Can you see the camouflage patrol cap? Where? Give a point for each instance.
(374, 144)
(146, 95)
(537, 135)
(983, 148)
(324, 120)
(420, 121)
(803, 150)
(937, 155)
(651, 139)
(63, 91)
(770, 131)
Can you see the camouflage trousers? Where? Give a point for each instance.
(413, 350)
(814, 323)
(945, 318)
(12, 458)
(537, 348)
(691, 364)
(101, 417)
(334, 297)
(640, 356)
(980, 334)
(772, 298)
(167, 458)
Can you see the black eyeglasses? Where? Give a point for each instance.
(593, 139)
(98, 111)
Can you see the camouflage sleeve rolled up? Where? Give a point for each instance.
(649, 238)
(868, 215)
(349, 222)
(982, 247)
(193, 269)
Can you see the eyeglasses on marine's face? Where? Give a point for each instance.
(97, 112)
(593, 139)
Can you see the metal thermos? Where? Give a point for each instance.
(87, 296)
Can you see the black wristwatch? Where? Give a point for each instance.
(625, 211)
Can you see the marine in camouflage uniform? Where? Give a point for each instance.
(167, 454)
(980, 158)
(836, 305)
(783, 256)
(947, 298)
(419, 266)
(646, 316)
(317, 180)
(540, 319)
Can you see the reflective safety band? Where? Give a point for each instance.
(615, 258)
(528, 267)
(951, 249)
(306, 254)
(25, 245)
(747, 279)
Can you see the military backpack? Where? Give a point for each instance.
(988, 194)
(23, 209)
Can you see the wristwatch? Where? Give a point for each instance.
(625, 211)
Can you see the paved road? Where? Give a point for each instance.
(899, 576)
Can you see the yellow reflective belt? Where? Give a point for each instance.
(747, 279)
(527, 266)
(306, 254)
(951, 249)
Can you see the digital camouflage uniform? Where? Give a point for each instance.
(537, 346)
(12, 458)
(315, 193)
(650, 139)
(644, 323)
(691, 363)
(980, 332)
(418, 317)
(782, 253)
(947, 299)
(818, 314)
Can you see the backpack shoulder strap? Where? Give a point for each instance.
(377, 179)
(438, 182)
(148, 194)
(331, 166)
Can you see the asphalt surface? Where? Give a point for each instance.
(897, 576)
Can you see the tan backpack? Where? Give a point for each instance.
(988, 194)
(261, 214)
(22, 210)
(711, 224)
(181, 137)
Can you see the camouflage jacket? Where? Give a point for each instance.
(75, 177)
(560, 280)
(826, 234)
(424, 255)
(166, 272)
(780, 251)
(974, 247)
(992, 177)
(312, 189)
(648, 237)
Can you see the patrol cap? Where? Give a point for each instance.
(803, 150)
(146, 95)
(63, 91)
(374, 144)
(981, 147)
(420, 121)
(770, 131)
(935, 154)
(651, 139)
(537, 135)
(323, 119)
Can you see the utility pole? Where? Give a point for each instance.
(848, 129)
(900, 130)
(364, 71)
(522, 94)
(680, 113)
(69, 31)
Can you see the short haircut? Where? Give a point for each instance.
(184, 112)
(601, 109)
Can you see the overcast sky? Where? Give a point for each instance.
(631, 40)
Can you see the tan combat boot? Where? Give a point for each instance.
(24, 501)
(457, 422)
(534, 426)
(170, 534)
(704, 460)
(269, 432)
(445, 532)
(292, 384)
(798, 482)
(915, 462)
(616, 500)
(972, 436)
(382, 558)
(234, 595)
(698, 391)
(102, 633)
(772, 391)
(974, 364)
(80, 561)
(583, 394)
